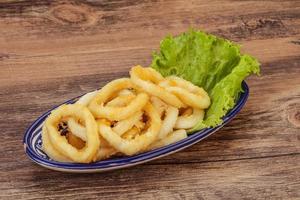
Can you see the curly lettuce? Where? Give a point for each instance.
(213, 63)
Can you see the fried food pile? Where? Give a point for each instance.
(126, 117)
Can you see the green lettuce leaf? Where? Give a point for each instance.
(213, 63)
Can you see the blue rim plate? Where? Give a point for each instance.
(33, 145)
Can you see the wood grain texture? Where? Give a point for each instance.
(51, 51)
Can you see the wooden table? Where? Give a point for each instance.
(51, 51)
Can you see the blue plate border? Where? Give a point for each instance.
(116, 163)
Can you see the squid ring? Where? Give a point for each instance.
(147, 79)
(85, 99)
(187, 122)
(50, 150)
(168, 122)
(116, 113)
(170, 116)
(122, 100)
(105, 151)
(159, 105)
(77, 129)
(124, 125)
(87, 153)
(188, 93)
(140, 142)
(173, 137)
(121, 126)
(132, 133)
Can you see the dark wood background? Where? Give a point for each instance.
(51, 51)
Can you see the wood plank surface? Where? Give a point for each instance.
(51, 51)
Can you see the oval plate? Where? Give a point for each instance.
(33, 145)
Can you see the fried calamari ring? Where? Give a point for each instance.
(168, 122)
(86, 99)
(50, 150)
(77, 129)
(125, 97)
(147, 79)
(168, 114)
(122, 100)
(140, 125)
(171, 138)
(105, 150)
(116, 113)
(126, 124)
(87, 153)
(140, 142)
(125, 127)
(187, 122)
(131, 134)
(159, 105)
(120, 127)
(188, 93)
(125, 92)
